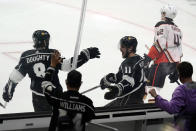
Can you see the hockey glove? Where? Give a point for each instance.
(107, 80)
(113, 93)
(92, 52)
(9, 90)
(173, 77)
(147, 61)
(49, 74)
(47, 86)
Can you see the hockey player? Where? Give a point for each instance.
(127, 85)
(71, 110)
(166, 51)
(35, 62)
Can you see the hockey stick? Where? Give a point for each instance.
(4, 106)
(77, 47)
(147, 47)
(177, 82)
(90, 89)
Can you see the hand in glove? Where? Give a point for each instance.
(103, 84)
(173, 77)
(92, 52)
(107, 80)
(8, 91)
(47, 86)
(147, 61)
(113, 93)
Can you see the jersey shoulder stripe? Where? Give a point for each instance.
(165, 23)
(160, 23)
(30, 53)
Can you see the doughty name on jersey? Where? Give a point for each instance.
(38, 58)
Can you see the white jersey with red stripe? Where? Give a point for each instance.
(168, 40)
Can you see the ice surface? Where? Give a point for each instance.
(106, 21)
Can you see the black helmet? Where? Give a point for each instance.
(129, 41)
(41, 39)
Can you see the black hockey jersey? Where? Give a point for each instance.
(131, 79)
(71, 110)
(35, 63)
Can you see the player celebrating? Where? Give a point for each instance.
(166, 50)
(127, 85)
(35, 62)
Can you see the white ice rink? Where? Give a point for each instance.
(106, 21)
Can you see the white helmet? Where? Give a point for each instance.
(169, 10)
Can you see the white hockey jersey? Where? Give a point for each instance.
(168, 40)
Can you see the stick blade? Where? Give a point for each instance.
(2, 105)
